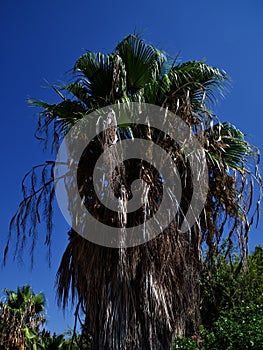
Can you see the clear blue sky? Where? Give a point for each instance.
(41, 40)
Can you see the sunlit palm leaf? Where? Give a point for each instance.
(142, 62)
(229, 146)
(201, 80)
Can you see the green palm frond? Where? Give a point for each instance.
(154, 93)
(142, 62)
(229, 146)
(59, 117)
(102, 77)
(201, 80)
(68, 110)
(79, 91)
(97, 74)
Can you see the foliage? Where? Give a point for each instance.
(187, 343)
(232, 305)
(21, 315)
(231, 282)
(55, 342)
(237, 329)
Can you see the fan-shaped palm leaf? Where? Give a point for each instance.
(142, 62)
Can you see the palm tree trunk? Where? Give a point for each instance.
(135, 298)
(138, 297)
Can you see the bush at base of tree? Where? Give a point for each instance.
(237, 329)
(232, 305)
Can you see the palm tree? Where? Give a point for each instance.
(21, 316)
(142, 297)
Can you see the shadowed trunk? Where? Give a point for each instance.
(135, 298)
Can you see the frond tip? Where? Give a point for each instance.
(36, 208)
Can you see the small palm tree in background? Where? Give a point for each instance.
(141, 297)
(21, 316)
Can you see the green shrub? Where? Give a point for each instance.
(237, 329)
(187, 343)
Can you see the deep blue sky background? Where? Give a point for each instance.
(42, 40)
